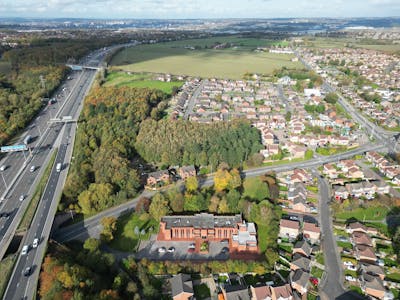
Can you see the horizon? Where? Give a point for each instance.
(191, 9)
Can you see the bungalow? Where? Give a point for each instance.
(365, 253)
(187, 171)
(283, 292)
(181, 287)
(261, 293)
(289, 229)
(356, 226)
(303, 248)
(158, 176)
(311, 232)
(300, 262)
(299, 281)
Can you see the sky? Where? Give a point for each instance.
(182, 9)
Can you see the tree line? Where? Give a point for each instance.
(179, 142)
(101, 173)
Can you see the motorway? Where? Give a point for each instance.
(19, 285)
(25, 182)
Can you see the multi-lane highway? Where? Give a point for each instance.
(21, 286)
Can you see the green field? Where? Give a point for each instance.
(143, 80)
(174, 58)
(370, 214)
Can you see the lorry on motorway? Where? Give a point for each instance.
(27, 139)
(58, 167)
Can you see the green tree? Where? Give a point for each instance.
(109, 227)
(192, 184)
(92, 244)
(159, 207)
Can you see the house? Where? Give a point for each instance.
(330, 171)
(289, 229)
(261, 293)
(340, 192)
(373, 270)
(355, 172)
(300, 262)
(299, 281)
(158, 177)
(181, 287)
(300, 204)
(236, 292)
(311, 232)
(283, 292)
(381, 187)
(356, 226)
(204, 226)
(303, 248)
(372, 286)
(360, 238)
(187, 171)
(365, 253)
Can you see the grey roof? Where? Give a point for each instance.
(300, 277)
(304, 246)
(158, 174)
(181, 283)
(302, 262)
(373, 282)
(188, 169)
(237, 292)
(372, 269)
(202, 220)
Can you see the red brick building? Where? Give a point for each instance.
(207, 227)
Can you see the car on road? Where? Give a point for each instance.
(35, 243)
(4, 215)
(3, 168)
(350, 278)
(21, 198)
(171, 249)
(161, 250)
(27, 271)
(25, 250)
(32, 169)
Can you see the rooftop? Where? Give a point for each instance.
(202, 220)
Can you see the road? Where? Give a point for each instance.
(91, 226)
(193, 99)
(25, 180)
(21, 286)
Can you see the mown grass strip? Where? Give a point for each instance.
(6, 268)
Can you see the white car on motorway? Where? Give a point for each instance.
(21, 198)
(25, 250)
(35, 243)
(32, 169)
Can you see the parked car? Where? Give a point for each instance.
(192, 245)
(21, 198)
(314, 280)
(161, 250)
(347, 263)
(380, 262)
(342, 239)
(350, 278)
(3, 168)
(171, 249)
(32, 169)
(352, 268)
(35, 243)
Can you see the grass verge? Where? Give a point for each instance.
(6, 267)
(30, 211)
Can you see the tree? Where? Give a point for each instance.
(176, 200)
(92, 244)
(232, 199)
(143, 205)
(255, 189)
(159, 207)
(109, 228)
(192, 184)
(222, 179)
(195, 202)
(235, 180)
(95, 198)
(331, 98)
(214, 202)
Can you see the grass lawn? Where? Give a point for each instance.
(201, 291)
(125, 238)
(320, 258)
(388, 249)
(370, 213)
(286, 248)
(6, 267)
(339, 232)
(349, 259)
(393, 277)
(356, 289)
(344, 245)
(143, 80)
(173, 58)
(255, 188)
(351, 273)
(316, 272)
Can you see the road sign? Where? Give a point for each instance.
(14, 148)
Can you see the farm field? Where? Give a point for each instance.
(143, 80)
(176, 58)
